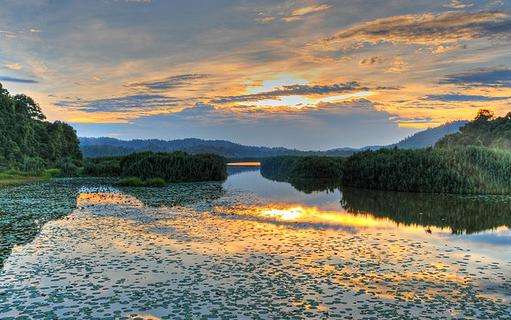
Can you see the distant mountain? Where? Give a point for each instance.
(109, 147)
(106, 147)
(485, 130)
(429, 137)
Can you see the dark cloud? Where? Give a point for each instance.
(121, 104)
(370, 61)
(170, 82)
(293, 90)
(428, 29)
(400, 119)
(454, 97)
(497, 77)
(17, 80)
(354, 123)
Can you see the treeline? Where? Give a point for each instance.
(172, 167)
(309, 167)
(468, 162)
(462, 170)
(29, 143)
(485, 131)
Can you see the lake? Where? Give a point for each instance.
(250, 248)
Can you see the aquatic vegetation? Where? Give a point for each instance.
(113, 257)
(137, 182)
(174, 167)
(467, 170)
(199, 250)
(307, 167)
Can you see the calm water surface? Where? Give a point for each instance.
(251, 248)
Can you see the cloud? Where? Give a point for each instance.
(169, 83)
(13, 66)
(457, 4)
(17, 80)
(354, 123)
(292, 90)
(299, 13)
(426, 29)
(370, 61)
(486, 77)
(456, 97)
(121, 104)
(411, 120)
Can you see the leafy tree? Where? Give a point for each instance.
(28, 142)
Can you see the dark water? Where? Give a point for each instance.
(251, 248)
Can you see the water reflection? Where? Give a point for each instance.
(459, 214)
(250, 248)
(25, 209)
(114, 255)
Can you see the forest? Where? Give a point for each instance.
(474, 161)
(155, 169)
(485, 131)
(29, 143)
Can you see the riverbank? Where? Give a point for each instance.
(14, 178)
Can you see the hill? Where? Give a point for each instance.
(110, 147)
(484, 131)
(430, 137)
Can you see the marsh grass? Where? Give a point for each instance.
(138, 182)
(15, 177)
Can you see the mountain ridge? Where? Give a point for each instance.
(106, 146)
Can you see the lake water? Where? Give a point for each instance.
(250, 248)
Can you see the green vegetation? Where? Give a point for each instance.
(174, 167)
(461, 163)
(102, 167)
(484, 131)
(29, 145)
(466, 170)
(309, 167)
(14, 177)
(137, 182)
(155, 169)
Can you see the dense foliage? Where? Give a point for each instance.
(102, 167)
(309, 167)
(466, 170)
(31, 144)
(484, 131)
(174, 167)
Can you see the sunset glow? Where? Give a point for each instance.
(224, 70)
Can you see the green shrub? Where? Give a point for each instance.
(155, 182)
(51, 173)
(68, 168)
(174, 167)
(33, 165)
(307, 167)
(137, 182)
(464, 170)
(131, 182)
(102, 167)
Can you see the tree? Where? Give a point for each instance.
(484, 115)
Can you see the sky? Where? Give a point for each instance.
(304, 74)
